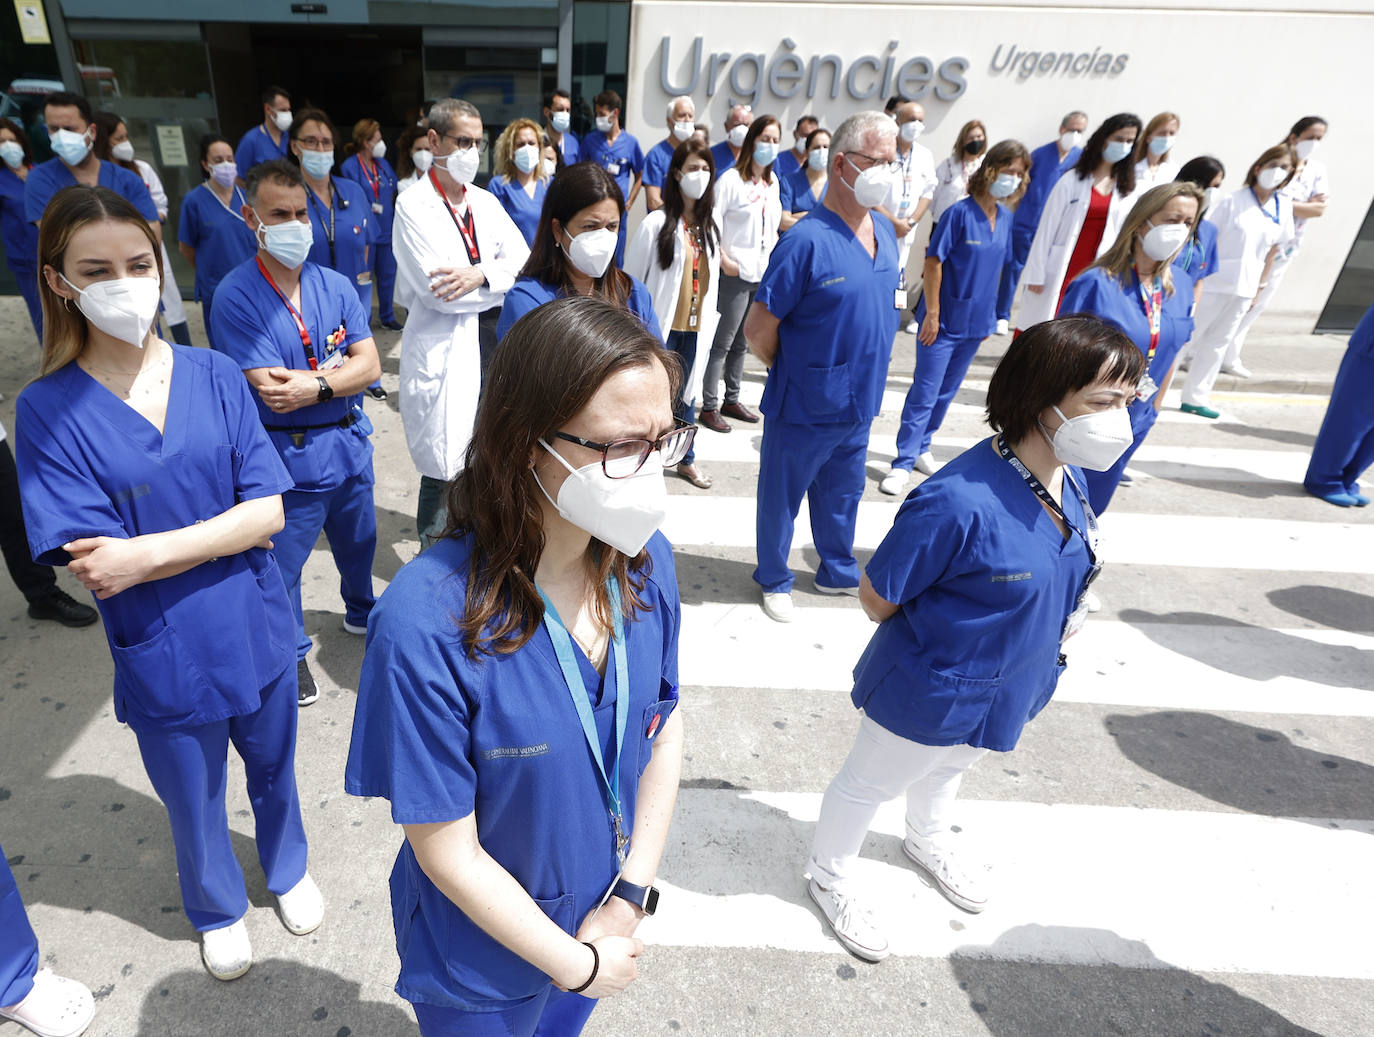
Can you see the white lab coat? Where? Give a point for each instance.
(951, 182)
(641, 262)
(172, 306)
(749, 215)
(440, 362)
(1146, 178)
(1048, 261)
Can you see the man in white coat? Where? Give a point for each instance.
(914, 187)
(457, 254)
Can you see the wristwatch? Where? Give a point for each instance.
(643, 897)
(326, 393)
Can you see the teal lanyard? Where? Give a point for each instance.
(582, 702)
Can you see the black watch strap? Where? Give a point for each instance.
(643, 897)
(326, 393)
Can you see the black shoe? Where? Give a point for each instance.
(306, 692)
(393, 325)
(62, 607)
(376, 392)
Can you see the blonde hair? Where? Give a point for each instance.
(1142, 142)
(363, 130)
(64, 326)
(505, 148)
(996, 159)
(1120, 258)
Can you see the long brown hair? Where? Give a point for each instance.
(746, 150)
(549, 366)
(105, 125)
(576, 188)
(996, 159)
(64, 325)
(703, 225)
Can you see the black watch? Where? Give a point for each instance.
(643, 897)
(326, 393)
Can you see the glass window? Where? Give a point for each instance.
(1354, 287)
(601, 55)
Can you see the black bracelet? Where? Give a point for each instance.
(596, 966)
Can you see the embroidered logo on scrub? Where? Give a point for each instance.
(516, 751)
(1011, 577)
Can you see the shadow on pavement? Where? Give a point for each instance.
(1029, 998)
(1329, 606)
(1274, 435)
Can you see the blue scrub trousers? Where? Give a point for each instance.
(18, 944)
(825, 464)
(940, 370)
(1345, 445)
(1101, 485)
(188, 768)
(684, 344)
(384, 275)
(1011, 273)
(550, 1013)
(27, 279)
(348, 519)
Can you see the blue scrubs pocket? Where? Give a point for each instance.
(827, 392)
(162, 677)
(956, 315)
(950, 706)
(487, 969)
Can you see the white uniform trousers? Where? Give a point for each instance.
(1215, 323)
(1276, 272)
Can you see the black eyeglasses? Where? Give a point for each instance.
(625, 457)
(464, 143)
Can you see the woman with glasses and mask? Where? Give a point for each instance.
(676, 253)
(521, 180)
(953, 173)
(572, 254)
(804, 189)
(517, 700)
(1082, 217)
(211, 232)
(976, 590)
(366, 166)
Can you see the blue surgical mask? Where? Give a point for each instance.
(818, 158)
(71, 148)
(288, 243)
(1004, 186)
(560, 121)
(764, 153)
(1161, 145)
(1116, 150)
(527, 158)
(317, 164)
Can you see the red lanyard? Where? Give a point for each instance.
(696, 275)
(295, 316)
(374, 180)
(1153, 303)
(466, 227)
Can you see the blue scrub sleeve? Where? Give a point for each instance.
(62, 500)
(132, 187)
(642, 306)
(524, 296)
(239, 331)
(356, 324)
(1084, 295)
(258, 468)
(788, 277)
(188, 224)
(947, 232)
(931, 531)
(785, 193)
(637, 159)
(1211, 256)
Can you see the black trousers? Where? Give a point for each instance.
(34, 581)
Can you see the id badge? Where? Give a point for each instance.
(378, 208)
(333, 360)
(692, 320)
(613, 168)
(1074, 623)
(1145, 391)
(899, 298)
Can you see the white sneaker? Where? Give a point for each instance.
(1237, 370)
(55, 1007)
(227, 952)
(778, 607)
(926, 464)
(894, 482)
(912, 327)
(1092, 602)
(355, 628)
(1003, 327)
(942, 867)
(302, 907)
(849, 922)
(821, 588)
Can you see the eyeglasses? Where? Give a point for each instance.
(317, 143)
(465, 143)
(874, 163)
(625, 457)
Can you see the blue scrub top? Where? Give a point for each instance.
(527, 293)
(193, 648)
(657, 161)
(985, 582)
(1045, 171)
(622, 157)
(523, 210)
(354, 229)
(972, 255)
(253, 326)
(219, 235)
(794, 190)
(1097, 292)
(19, 235)
(571, 149)
(722, 156)
(256, 147)
(1198, 258)
(787, 163)
(383, 194)
(443, 736)
(834, 302)
(47, 178)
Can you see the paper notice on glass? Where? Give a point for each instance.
(172, 145)
(33, 23)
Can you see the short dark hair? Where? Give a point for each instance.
(1201, 171)
(273, 171)
(207, 141)
(67, 99)
(557, 91)
(805, 118)
(271, 92)
(893, 103)
(1306, 123)
(607, 99)
(1052, 359)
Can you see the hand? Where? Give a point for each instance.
(903, 226)
(108, 565)
(290, 391)
(616, 917)
(728, 266)
(1038, 289)
(618, 967)
(447, 283)
(930, 329)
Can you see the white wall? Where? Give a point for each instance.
(1223, 71)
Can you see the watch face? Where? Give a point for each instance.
(651, 901)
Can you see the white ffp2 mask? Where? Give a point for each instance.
(621, 513)
(123, 308)
(1095, 441)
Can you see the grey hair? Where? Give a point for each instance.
(443, 114)
(856, 129)
(677, 100)
(1075, 114)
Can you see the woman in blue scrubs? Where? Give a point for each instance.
(211, 233)
(803, 189)
(516, 704)
(521, 182)
(367, 167)
(145, 469)
(573, 250)
(1345, 444)
(975, 590)
(19, 236)
(1135, 287)
(958, 307)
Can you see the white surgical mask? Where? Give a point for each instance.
(765, 153)
(1305, 148)
(422, 160)
(621, 513)
(462, 165)
(818, 158)
(1163, 241)
(72, 148)
(1116, 150)
(560, 121)
(1094, 440)
(12, 152)
(1161, 145)
(1070, 139)
(800, 146)
(288, 243)
(550, 167)
(527, 158)
(737, 134)
(124, 308)
(694, 184)
(603, 123)
(1271, 178)
(124, 150)
(317, 164)
(224, 173)
(911, 130)
(1209, 197)
(592, 251)
(1004, 186)
(872, 185)
(379, 149)
(683, 130)
(283, 120)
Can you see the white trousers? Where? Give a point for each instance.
(172, 307)
(1215, 323)
(1276, 273)
(880, 767)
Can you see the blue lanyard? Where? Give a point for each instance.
(582, 702)
(1262, 209)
